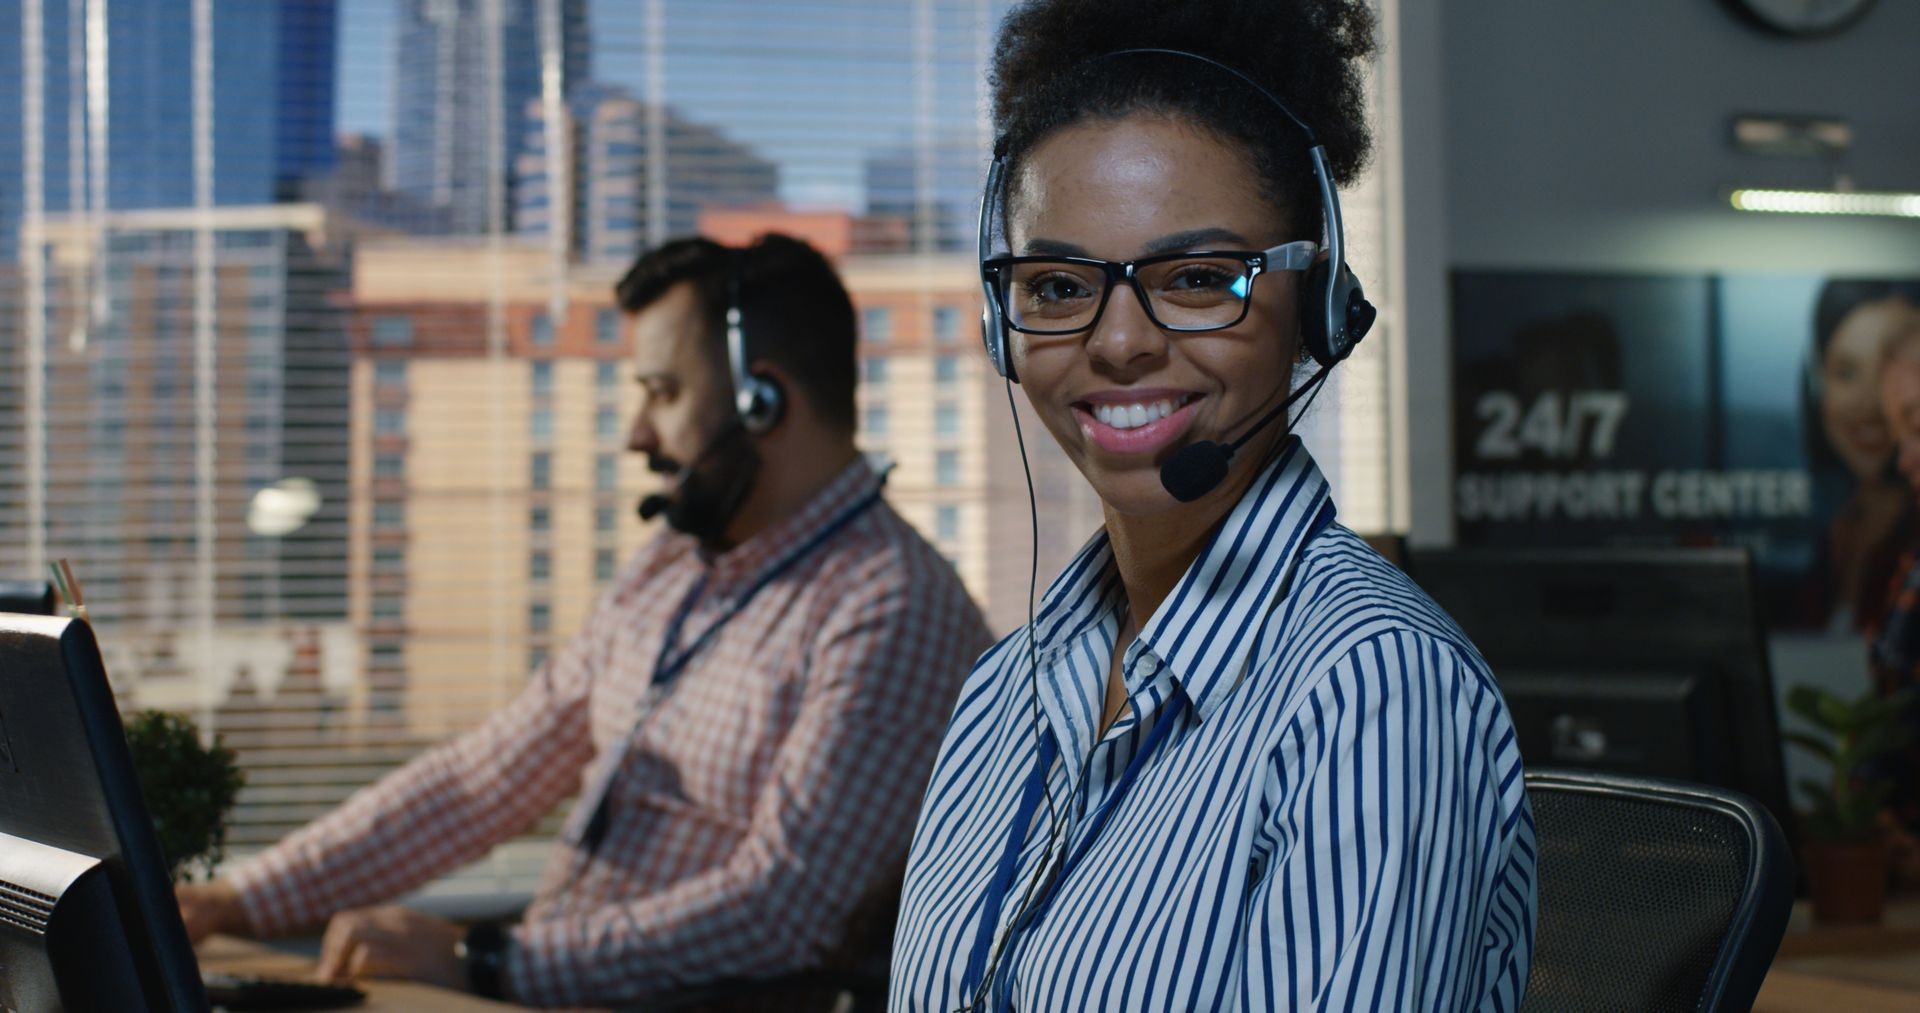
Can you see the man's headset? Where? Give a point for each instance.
(759, 402)
(1331, 324)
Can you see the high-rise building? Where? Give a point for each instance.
(934, 186)
(447, 115)
(129, 483)
(613, 168)
(272, 104)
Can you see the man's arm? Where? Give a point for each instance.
(441, 810)
(1402, 875)
(832, 823)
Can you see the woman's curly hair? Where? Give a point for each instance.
(1049, 74)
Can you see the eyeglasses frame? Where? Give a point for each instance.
(1295, 256)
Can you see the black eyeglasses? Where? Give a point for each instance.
(1199, 291)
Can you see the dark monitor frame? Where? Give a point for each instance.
(1613, 616)
(29, 597)
(69, 784)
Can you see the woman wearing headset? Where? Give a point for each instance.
(1236, 760)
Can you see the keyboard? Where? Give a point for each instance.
(239, 992)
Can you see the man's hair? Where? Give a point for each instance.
(793, 309)
(1049, 74)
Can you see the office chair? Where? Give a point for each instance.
(1654, 894)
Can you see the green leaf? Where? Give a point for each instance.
(1818, 793)
(1811, 743)
(1805, 701)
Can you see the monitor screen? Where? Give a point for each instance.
(1646, 662)
(91, 922)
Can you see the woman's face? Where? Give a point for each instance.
(1900, 395)
(1131, 188)
(1850, 408)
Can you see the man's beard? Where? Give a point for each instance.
(703, 503)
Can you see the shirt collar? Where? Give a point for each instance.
(740, 565)
(1204, 631)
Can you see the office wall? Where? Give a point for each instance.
(1570, 135)
(1595, 136)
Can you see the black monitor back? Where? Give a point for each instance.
(87, 915)
(1644, 662)
(33, 597)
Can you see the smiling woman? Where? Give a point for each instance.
(1235, 759)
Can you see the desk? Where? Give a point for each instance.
(240, 956)
(1860, 969)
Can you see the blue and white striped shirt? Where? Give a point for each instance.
(1334, 817)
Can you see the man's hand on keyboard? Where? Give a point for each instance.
(392, 942)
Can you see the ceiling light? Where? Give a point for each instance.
(1827, 202)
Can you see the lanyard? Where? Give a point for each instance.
(668, 666)
(1002, 883)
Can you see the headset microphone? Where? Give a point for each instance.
(655, 504)
(1197, 468)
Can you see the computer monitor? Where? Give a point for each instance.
(1635, 661)
(33, 597)
(87, 915)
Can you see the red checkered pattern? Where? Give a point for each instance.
(765, 794)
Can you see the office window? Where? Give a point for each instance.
(874, 420)
(946, 324)
(388, 609)
(539, 617)
(876, 325)
(536, 657)
(403, 304)
(392, 332)
(540, 564)
(946, 419)
(946, 467)
(946, 368)
(946, 522)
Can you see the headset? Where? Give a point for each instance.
(758, 399)
(1332, 322)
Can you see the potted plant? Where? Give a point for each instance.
(1843, 848)
(190, 790)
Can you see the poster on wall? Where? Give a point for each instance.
(1690, 410)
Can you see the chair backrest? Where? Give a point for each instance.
(1654, 894)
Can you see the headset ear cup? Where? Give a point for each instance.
(993, 334)
(1313, 317)
(762, 404)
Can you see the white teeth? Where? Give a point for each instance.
(1132, 416)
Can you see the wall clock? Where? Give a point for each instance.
(1803, 19)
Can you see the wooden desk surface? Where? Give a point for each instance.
(241, 956)
(1860, 969)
